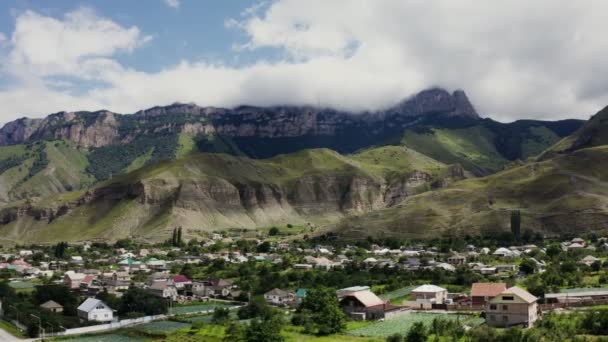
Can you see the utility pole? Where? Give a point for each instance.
(17, 312)
(40, 329)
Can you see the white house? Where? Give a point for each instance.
(95, 310)
(430, 294)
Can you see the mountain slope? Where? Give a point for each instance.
(114, 144)
(215, 191)
(568, 193)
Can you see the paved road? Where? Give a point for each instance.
(4, 336)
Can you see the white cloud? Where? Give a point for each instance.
(2, 37)
(516, 59)
(172, 3)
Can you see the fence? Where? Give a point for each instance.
(586, 302)
(109, 326)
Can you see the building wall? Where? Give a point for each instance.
(508, 314)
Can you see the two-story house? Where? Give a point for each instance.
(514, 306)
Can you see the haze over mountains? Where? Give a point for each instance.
(85, 175)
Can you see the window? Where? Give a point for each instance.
(492, 306)
(505, 307)
(507, 297)
(505, 318)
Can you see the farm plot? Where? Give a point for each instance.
(180, 310)
(399, 293)
(105, 338)
(162, 326)
(403, 324)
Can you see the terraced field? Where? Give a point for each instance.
(401, 325)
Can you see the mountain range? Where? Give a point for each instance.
(429, 163)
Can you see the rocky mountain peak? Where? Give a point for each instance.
(438, 100)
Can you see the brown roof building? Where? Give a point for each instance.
(482, 292)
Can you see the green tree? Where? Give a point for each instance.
(257, 307)
(179, 241)
(136, 300)
(264, 330)
(417, 333)
(273, 231)
(527, 266)
(395, 338)
(516, 224)
(325, 315)
(264, 247)
(60, 250)
(234, 332)
(220, 315)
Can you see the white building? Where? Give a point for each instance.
(95, 310)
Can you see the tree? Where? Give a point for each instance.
(554, 250)
(264, 247)
(516, 224)
(176, 237)
(273, 231)
(417, 333)
(257, 307)
(220, 315)
(142, 301)
(264, 330)
(60, 250)
(234, 332)
(527, 266)
(179, 241)
(395, 338)
(325, 316)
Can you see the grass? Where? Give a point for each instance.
(403, 323)
(161, 326)
(566, 193)
(180, 310)
(11, 329)
(472, 147)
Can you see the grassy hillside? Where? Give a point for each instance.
(473, 147)
(42, 169)
(568, 193)
(207, 191)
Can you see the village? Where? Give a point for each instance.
(91, 287)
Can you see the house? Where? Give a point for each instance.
(341, 293)
(52, 306)
(181, 281)
(579, 241)
(300, 295)
(95, 310)
(514, 306)
(457, 259)
(577, 295)
(279, 297)
(121, 276)
(482, 292)
(163, 289)
(364, 305)
(73, 279)
(588, 260)
(503, 252)
(211, 287)
(429, 294)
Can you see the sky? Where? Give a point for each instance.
(542, 59)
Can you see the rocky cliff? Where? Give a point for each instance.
(198, 194)
(96, 129)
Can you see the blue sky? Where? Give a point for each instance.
(195, 30)
(514, 59)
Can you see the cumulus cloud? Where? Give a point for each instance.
(516, 59)
(172, 3)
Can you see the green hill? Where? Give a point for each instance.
(207, 191)
(568, 193)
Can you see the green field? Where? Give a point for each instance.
(180, 310)
(105, 338)
(161, 326)
(401, 325)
